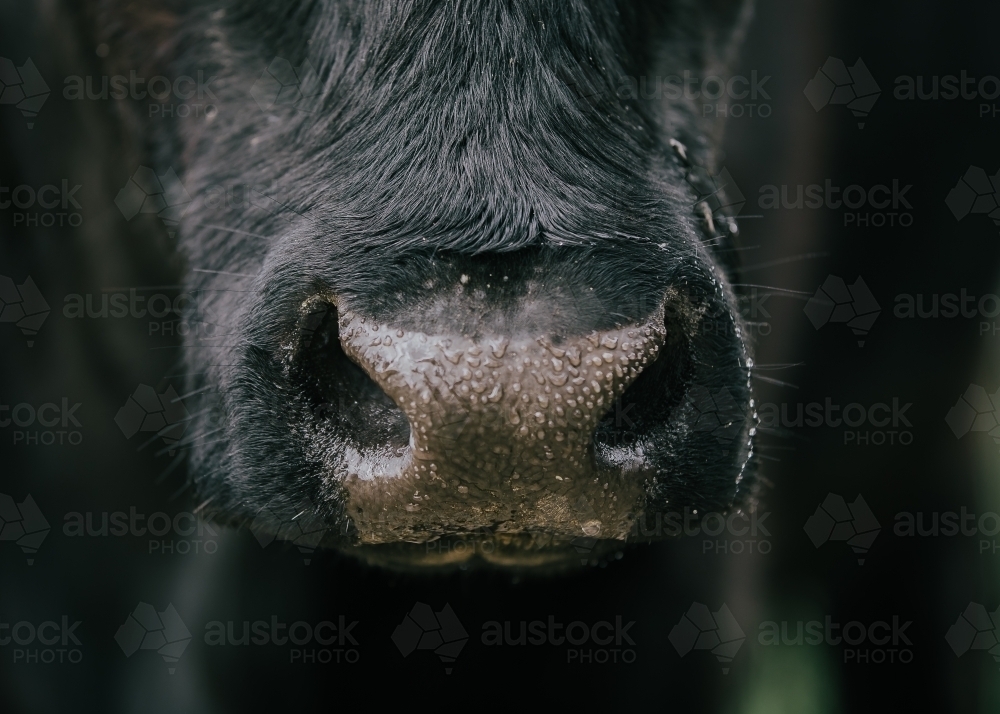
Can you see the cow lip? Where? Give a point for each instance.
(470, 551)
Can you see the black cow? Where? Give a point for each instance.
(486, 184)
(485, 293)
(468, 284)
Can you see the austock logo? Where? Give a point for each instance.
(951, 524)
(147, 629)
(296, 523)
(975, 411)
(282, 85)
(718, 196)
(950, 87)
(709, 90)
(836, 302)
(865, 424)
(865, 643)
(588, 85)
(39, 423)
(835, 83)
(23, 305)
(701, 629)
(23, 87)
(836, 520)
(23, 524)
(49, 634)
(736, 525)
(36, 207)
(976, 193)
(719, 414)
(163, 415)
(602, 642)
(163, 196)
(159, 90)
(300, 634)
(180, 528)
(948, 306)
(975, 629)
(856, 200)
(168, 311)
(423, 629)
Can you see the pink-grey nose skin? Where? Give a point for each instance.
(501, 432)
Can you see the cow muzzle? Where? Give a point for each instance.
(501, 435)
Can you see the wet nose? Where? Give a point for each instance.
(501, 428)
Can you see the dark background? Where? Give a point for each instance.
(929, 580)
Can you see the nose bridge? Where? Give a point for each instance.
(516, 412)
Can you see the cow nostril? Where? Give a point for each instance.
(645, 406)
(342, 399)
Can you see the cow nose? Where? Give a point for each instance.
(501, 429)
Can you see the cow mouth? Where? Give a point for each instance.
(525, 551)
(509, 449)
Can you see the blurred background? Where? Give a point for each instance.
(670, 607)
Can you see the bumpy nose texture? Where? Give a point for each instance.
(501, 431)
